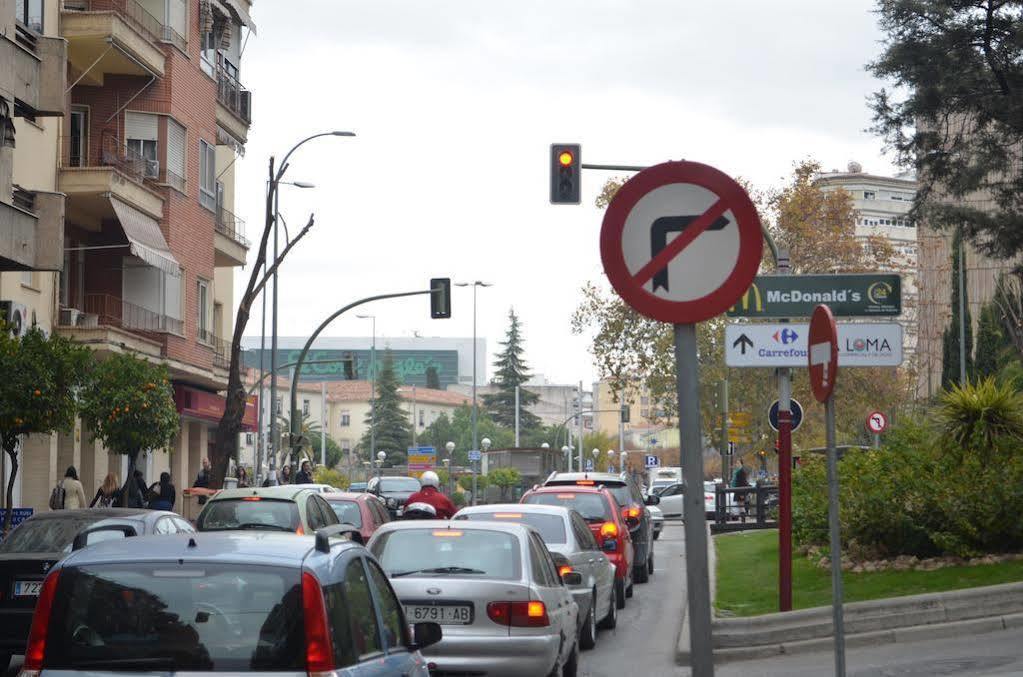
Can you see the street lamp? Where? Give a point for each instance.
(485, 445)
(596, 453)
(381, 455)
(474, 286)
(447, 466)
(610, 460)
(372, 385)
(566, 450)
(623, 458)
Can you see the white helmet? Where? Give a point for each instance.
(429, 479)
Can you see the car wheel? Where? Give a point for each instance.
(588, 633)
(650, 564)
(639, 573)
(610, 622)
(571, 666)
(620, 593)
(628, 590)
(657, 534)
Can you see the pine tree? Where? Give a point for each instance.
(393, 429)
(950, 372)
(512, 371)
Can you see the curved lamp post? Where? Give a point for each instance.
(566, 450)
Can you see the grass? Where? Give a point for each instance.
(747, 577)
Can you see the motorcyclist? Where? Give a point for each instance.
(430, 494)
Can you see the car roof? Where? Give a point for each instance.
(281, 492)
(347, 496)
(230, 547)
(514, 528)
(98, 513)
(535, 508)
(606, 478)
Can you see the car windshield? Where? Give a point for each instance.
(410, 484)
(551, 527)
(593, 507)
(347, 512)
(443, 552)
(52, 534)
(251, 512)
(177, 617)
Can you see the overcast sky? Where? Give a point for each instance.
(455, 103)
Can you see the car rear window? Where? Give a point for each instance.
(592, 507)
(347, 512)
(52, 534)
(430, 551)
(175, 617)
(251, 512)
(551, 527)
(399, 484)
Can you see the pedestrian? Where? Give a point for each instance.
(72, 495)
(109, 493)
(740, 479)
(285, 475)
(133, 493)
(243, 477)
(305, 474)
(430, 494)
(162, 494)
(202, 480)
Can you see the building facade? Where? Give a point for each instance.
(140, 154)
(645, 414)
(557, 403)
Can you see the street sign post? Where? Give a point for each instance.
(863, 295)
(796, 412)
(651, 461)
(861, 344)
(475, 455)
(877, 423)
(680, 243)
(823, 364)
(421, 459)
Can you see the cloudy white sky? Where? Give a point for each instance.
(455, 103)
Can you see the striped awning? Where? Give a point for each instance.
(238, 10)
(145, 239)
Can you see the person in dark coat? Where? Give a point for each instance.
(305, 474)
(162, 494)
(133, 494)
(202, 480)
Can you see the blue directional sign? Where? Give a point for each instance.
(589, 465)
(652, 461)
(19, 515)
(475, 455)
(797, 414)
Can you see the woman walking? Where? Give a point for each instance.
(74, 494)
(162, 494)
(109, 493)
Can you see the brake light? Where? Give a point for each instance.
(36, 649)
(448, 534)
(631, 513)
(609, 530)
(319, 652)
(585, 483)
(519, 614)
(508, 515)
(252, 498)
(562, 570)
(566, 496)
(300, 531)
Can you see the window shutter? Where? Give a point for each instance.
(142, 126)
(176, 148)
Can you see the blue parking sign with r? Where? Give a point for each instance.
(589, 465)
(652, 461)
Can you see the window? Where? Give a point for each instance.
(312, 514)
(208, 53)
(536, 563)
(78, 148)
(868, 195)
(28, 278)
(340, 625)
(141, 132)
(203, 309)
(364, 629)
(346, 419)
(207, 175)
(176, 155)
(422, 418)
(248, 438)
(30, 13)
(390, 610)
(305, 407)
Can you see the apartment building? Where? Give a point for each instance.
(645, 413)
(148, 119)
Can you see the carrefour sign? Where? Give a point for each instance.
(860, 344)
(868, 295)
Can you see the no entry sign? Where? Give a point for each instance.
(823, 353)
(681, 242)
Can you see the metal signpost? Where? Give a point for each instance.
(866, 295)
(861, 344)
(680, 243)
(823, 364)
(877, 423)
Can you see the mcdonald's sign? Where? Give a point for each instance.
(795, 296)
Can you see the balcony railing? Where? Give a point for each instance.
(144, 21)
(112, 152)
(231, 226)
(109, 311)
(221, 353)
(172, 179)
(235, 98)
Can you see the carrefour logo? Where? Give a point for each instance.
(785, 336)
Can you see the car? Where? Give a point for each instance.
(672, 498)
(393, 491)
(357, 487)
(287, 507)
(598, 508)
(363, 511)
(657, 519)
(38, 543)
(633, 505)
(574, 548)
(493, 587)
(322, 488)
(225, 602)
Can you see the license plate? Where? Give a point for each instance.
(27, 588)
(460, 614)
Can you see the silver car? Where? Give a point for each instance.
(494, 589)
(574, 548)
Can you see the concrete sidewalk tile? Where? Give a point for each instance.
(976, 626)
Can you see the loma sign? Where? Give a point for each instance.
(868, 295)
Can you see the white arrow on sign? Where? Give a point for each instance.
(860, 344)
(820, 354)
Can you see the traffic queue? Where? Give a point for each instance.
(304, 579)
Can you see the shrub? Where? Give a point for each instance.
(334, 478)
(981, 419)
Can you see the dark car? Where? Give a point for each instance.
(363, 511)
(38, 543)
(393, 491)
(630, 499)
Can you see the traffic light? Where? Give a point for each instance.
(440, 298)
(625, 413)
(566, 172)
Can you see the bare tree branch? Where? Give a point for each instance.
(272, 269)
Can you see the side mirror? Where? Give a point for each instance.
(653, 499)
(572, 578)
(425, 634)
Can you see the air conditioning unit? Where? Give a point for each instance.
(69, 317)
(152, 169)
(16, 316)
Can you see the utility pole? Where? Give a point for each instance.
(516, 417)
(784, 468)
(581, 463)
(726, 455)
(414, 419)
(621, 424)
(962, 313)
(323, 423)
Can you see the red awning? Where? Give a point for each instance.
(195, 403)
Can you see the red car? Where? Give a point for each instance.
(598, 507)
(364, 511)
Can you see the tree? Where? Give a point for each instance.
(310, 433)
(390, 420)
(226, 442)
(982, 419)
(602, 441)
(465, 481)
(991, 343)
(41, 376)
(960, 65)
(432, 378)
(512, 372)
(950, 363)
(458, 429)
(334, 478)
(504, 479)
(129, 406)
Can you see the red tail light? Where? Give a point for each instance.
(300, 531)
(631, 513)
(609, 530)
(319, 651)
(519, 614)
(36, 650)
(564, 570)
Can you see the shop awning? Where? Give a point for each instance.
(199, 404)
(145, 239)
(238, 9)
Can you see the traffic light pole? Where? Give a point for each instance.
(784, 468)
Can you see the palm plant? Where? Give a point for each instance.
(980, 419)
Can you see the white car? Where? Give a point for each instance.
(656, 519)
(672, 499)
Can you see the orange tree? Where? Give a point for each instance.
(128, 405)
(41, 376)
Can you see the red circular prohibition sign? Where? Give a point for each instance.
(731, 197)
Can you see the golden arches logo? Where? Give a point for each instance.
(753, 296)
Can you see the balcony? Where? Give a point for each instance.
(32, 231)
(34, 69)
(93, 172)
(230, 243)
(234, 111)
(221, 348)
(117, 37)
